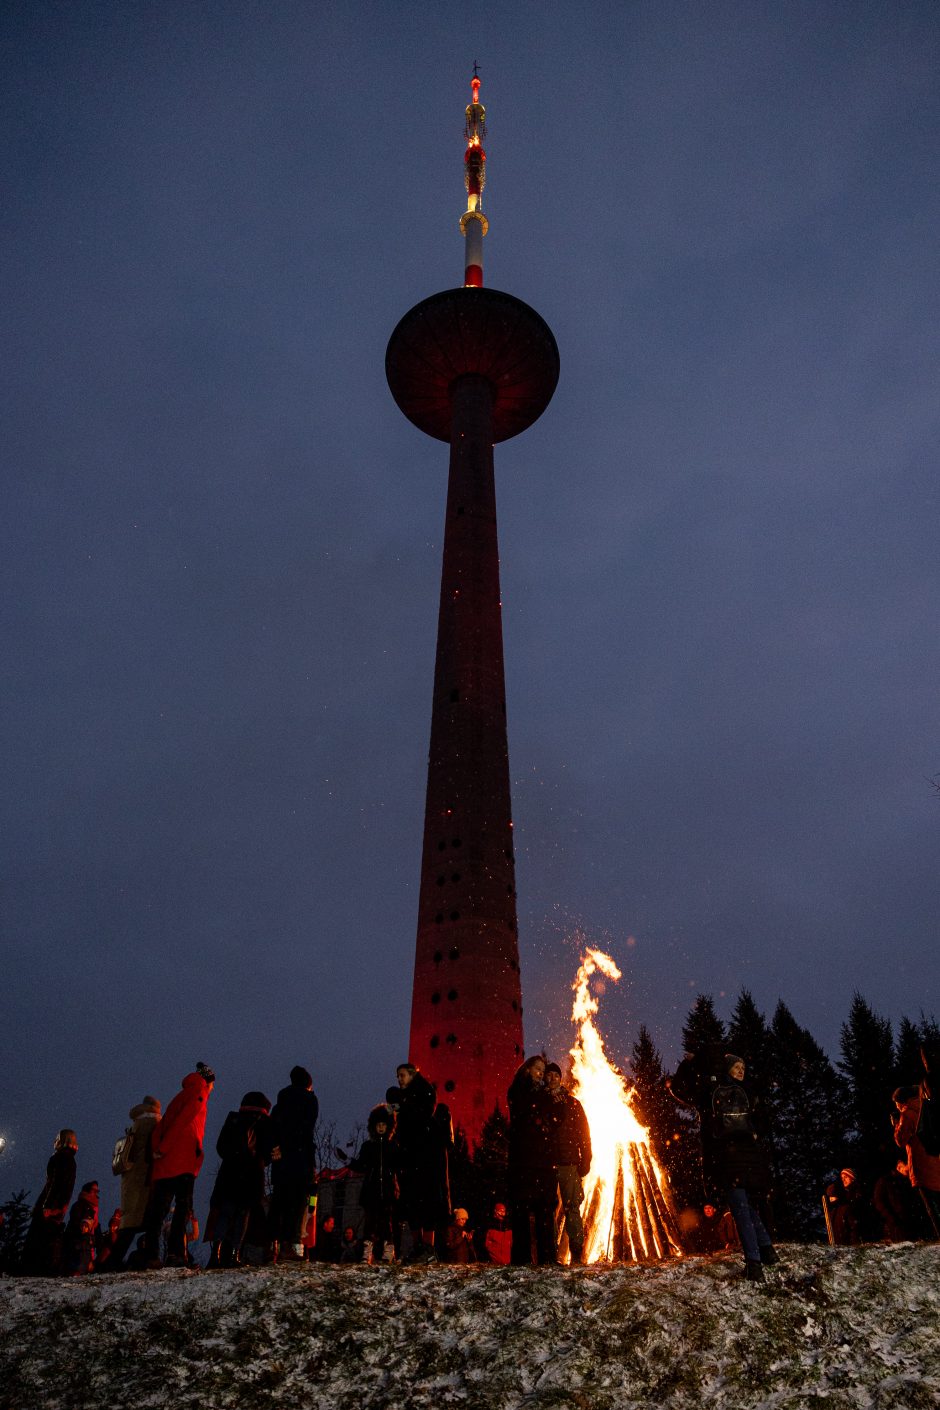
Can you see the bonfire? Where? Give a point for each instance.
(627, 1207)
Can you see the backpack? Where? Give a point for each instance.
(121, 1155)
(731, 1112)
(928, 1127)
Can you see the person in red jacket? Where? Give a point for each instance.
(177, 1148)
(923, 1169)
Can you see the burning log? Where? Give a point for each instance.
(627, 1213)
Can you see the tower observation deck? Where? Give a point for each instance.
(470, 366)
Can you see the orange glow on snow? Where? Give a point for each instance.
(627, 1209)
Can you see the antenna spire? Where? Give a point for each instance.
(473, 223)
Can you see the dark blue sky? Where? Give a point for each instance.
(221, 545)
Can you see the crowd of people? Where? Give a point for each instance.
(265, 1191)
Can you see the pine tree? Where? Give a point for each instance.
(15, 1221)
(673, 1132)
(749, 1037)
(868, 1066)
(488, 1168)
(806, 1114)
(703, 1028)
(907, 1064)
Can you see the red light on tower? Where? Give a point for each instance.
(470, 366)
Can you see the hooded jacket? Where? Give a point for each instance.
(177, 1143)
(135, 1182)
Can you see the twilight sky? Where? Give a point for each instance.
(221, 545)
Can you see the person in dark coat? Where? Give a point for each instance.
(293, 1164)
(422, 1160)
(42, 1248)
(78, 1250)
(891, 1201)
(245, 1144)
(846, 1200)
(740, 1165)
(327, 1247)
(350, 1249)
(571, 1152)
(532, 1184)
(377, 1162)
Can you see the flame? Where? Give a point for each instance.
(627, 1209)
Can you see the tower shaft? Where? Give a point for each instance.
(466, 1019)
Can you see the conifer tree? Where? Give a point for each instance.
(673, 1131)
(867, 1063)
(703, 1028)
(907, 1064)
(15, 1222)
(806, 1125)
(749, 1037)
(488, 1167)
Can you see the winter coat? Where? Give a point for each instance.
(135, 1182)
(531, 1157)
(422, 1141)
(736, 1155)
(498, 1242)
(377, 1162)
(79, 1245)
(294, 1121)
(924, 1169)
(570, 1133)
(245, 1144)
(177, 1142)
(60, 1182)
(458, 1244)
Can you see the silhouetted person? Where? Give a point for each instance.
(532, 1184)
(421, 1152)
(245, 1144)
(377, 1162)
(42, 1248)
(739, 1165)
(293, 1163)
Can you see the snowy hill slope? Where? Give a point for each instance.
(851, 1327)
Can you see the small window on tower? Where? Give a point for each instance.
(452, 994)
(436, 1041)
(436, 999)
(449, 1085)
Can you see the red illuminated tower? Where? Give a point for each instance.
(470, 366)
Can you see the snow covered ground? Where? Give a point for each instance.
(829, 1328)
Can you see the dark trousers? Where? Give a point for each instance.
(572, 1197)
(177, 1191)
(748, 1223)
(541, 1212)
(289, 1197)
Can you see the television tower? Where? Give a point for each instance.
(470, 366)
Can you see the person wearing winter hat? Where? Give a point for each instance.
(245, 1144)
(178, 1153)
(135, 1179)
(741, 1166)
(377, 1162)
(78, 1254)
